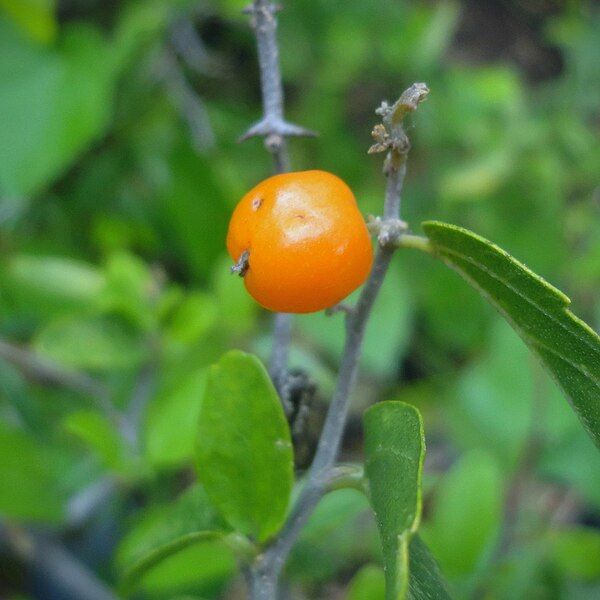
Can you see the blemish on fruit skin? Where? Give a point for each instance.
(256, 203)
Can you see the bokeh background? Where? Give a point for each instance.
(119, 168)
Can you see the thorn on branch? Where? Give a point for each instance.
(267, 7)
(269, 127)
(242, 264)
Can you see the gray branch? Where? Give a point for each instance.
(274, 129)
(273, 126)
(84, 504)
(143, 391)
(188, 103)
(190, 47)
(391, 138)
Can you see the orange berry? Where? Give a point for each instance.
(307, 242)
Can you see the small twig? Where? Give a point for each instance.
(345, 476)
(273, 126)
(415, 241)
(54, 563)
(144, 389)
(46, 372)
(82, 506)
(188, 102)
(190, 48)
(393, 231)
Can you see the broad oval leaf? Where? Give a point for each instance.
(394, 454)
(539, 313)
(244, 451)
(153, 559)
(172, 421)
(47, 286)
(28, 491)
(56, 101)
(93, 343)
(164, 531)
(102, 437)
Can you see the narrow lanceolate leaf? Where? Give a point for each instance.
(244, 451)
(426, 580)
(539, 313)
(394, 453)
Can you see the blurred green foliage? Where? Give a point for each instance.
(114, 203)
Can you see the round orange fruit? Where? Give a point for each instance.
(307, 244)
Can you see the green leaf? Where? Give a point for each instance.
(51, 284)
(472, 487)
(539, 313)
(426, 581)
(244, 452)
(192, 319)
(55, 101)
(394, 454)
(100, 344)
(167, 530)
(28, 491)
(576, 551)
(368, 583)
(204, 567)
(102, 437)
(499, 382)
(130, 290)
(172, 422)
(35, 17)
(154, 558)
(194, 202)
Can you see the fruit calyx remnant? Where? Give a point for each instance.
(242, 264)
